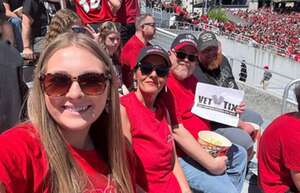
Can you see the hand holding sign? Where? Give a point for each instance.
(217, 104)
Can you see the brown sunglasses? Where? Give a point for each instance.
(58, 84)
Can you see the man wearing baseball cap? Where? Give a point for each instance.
(203, 172)
(214, 68)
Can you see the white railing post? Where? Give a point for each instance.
(286, 94)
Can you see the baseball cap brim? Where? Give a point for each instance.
(211, 43)
(184, 44)
(157, 52)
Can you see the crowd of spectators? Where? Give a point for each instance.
(278, 31)
(282, 30)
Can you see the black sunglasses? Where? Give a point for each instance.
(78, 29)
(58, 84)
(150, 24)
(161, 70)
(182, 56)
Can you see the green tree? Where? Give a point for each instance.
(218, 14)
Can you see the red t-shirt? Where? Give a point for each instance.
(279, 154)
(153, 144)
(183, 93)
(128, 58)
(24, 165)
(93, 11)
(128, 11)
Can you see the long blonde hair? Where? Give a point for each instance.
(65, 175)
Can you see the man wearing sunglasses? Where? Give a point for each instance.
(203, 172)
(145, 30)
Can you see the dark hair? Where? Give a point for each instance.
(297, 94)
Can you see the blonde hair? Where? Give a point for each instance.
(106, 29)
(60, 23)
(65, 174)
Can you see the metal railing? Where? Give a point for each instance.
(286, 94)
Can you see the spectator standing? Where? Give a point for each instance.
(266, 77)
(145, 30)
(6, 30)
(70, 142)
(146, 125)
(204, 173)
(278, 155)
(15, 19)
(127, 15)
(243, 74)
(35, 19)
(95, 12)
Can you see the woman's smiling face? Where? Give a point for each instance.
(75, 110)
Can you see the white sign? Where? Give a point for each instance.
(217, 103)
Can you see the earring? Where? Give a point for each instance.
(134, 84)
(166, 89)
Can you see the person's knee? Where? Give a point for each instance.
(237, 136)
(237, 157)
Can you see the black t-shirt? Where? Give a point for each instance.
(14, 4)
(40, 11)
(221, 76)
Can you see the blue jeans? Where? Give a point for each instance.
(16, 23)
(202, 181)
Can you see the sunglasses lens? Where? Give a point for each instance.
(59, 84)
(78, 29)
(92, 83)
(180, 55)
(191, 58)
(146, 68)
(162, 71)
(56, 84)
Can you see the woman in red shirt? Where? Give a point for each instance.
(72, 141)
(146, 125)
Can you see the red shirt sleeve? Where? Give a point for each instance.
(13, 164)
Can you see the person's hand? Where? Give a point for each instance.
(218, 165)
(28, 54)
(246, 127)
(92, 32)
(241, 108)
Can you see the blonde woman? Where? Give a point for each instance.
(110, 40)
(72, 141)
